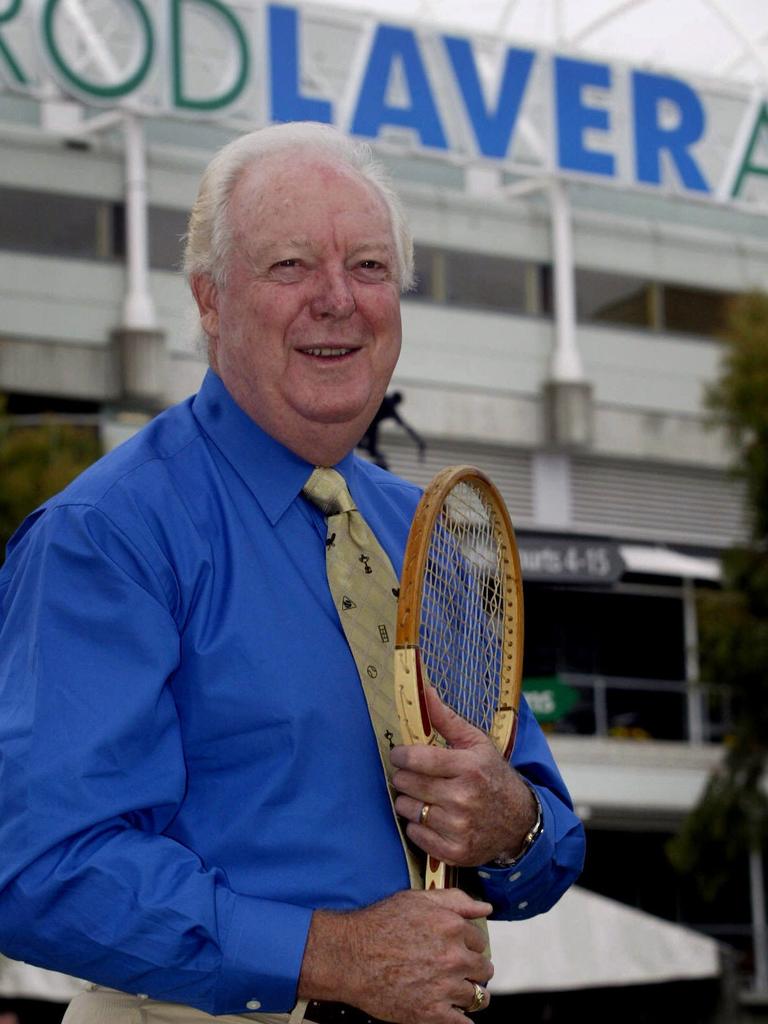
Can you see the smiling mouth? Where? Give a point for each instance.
(327, 353)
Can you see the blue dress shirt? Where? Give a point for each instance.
(187, 766)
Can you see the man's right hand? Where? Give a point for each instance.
(412, 958)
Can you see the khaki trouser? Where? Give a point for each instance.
(97, 1005)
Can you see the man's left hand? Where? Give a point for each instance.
(478, 806)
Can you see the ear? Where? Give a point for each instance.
(207, 298)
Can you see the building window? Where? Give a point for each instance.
(426, 266)
(54, 225)
(696, 310)
(615, 299)
(490, 282)
(166, 231)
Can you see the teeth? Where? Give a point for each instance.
(328, 351)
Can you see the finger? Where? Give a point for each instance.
(459, 902)
(456, 1016)
(454, 729)
(478, 998)
(437, 761)
(422, 788)
(476, 941)
(417, 812)
(450, 847)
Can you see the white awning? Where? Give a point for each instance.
(22, 981)
(590, 941)
(658, 561)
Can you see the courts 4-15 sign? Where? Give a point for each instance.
(531, 111)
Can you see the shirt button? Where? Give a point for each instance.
(514, 878)
(483, 874)
(523, 905)
(253, 1004)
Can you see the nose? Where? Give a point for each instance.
(333, 296)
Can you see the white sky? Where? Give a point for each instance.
(721, 38)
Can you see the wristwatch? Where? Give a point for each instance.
(504, 860)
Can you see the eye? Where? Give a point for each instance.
(372, 270)
(289, 271)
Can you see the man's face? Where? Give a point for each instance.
(305, 331)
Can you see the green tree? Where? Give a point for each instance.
(36, 461)
(731, 819)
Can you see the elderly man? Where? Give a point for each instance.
(193, 813)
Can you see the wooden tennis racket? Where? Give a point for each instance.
(460, 617)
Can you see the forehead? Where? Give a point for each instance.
(292, 190)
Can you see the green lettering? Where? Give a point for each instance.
(747, 165)
(115, 89)
(180, 98)
(13, 64)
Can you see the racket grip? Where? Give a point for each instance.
(438, 875)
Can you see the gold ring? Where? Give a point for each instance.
(477, 1000)
(424, 813)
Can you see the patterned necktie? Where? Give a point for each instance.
(364, 589)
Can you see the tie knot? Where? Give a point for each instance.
(326, 489)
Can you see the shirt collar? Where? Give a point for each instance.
(273, 473)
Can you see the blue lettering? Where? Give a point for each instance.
(574, 117)
(652, 138)
(393, 46)
(287, 102)
(492, 128)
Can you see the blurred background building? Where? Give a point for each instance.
(587, 183)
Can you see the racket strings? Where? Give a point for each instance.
(463, 607)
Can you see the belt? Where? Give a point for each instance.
(319, 1011)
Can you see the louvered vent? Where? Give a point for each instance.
(676, 503)
(509, 469)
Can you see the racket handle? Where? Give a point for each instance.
(439, 875)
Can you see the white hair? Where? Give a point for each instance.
(209, 234)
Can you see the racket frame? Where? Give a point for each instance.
(410, 674)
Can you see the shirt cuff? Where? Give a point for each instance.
(261, 956)
(514, 887)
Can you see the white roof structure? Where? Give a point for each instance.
(590, 941)
(722, 39)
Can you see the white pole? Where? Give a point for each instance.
(566, 363)
(759, 924)
(138, 308)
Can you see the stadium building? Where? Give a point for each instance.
(587, 193)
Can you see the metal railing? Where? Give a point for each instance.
(647, 709)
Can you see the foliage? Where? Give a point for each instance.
(739, 402)
(36, 461)
(732, 815)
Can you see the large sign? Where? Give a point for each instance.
(530, 111)
(552, 560)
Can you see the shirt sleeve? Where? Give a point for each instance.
(92, 770)
(534, 883)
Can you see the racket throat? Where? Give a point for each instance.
(410, 695)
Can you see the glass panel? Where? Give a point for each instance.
(44, 222)
(695, 310)
(424, 259)
(613, 298)
(545, 273)
(492, 282)
(166, 231)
